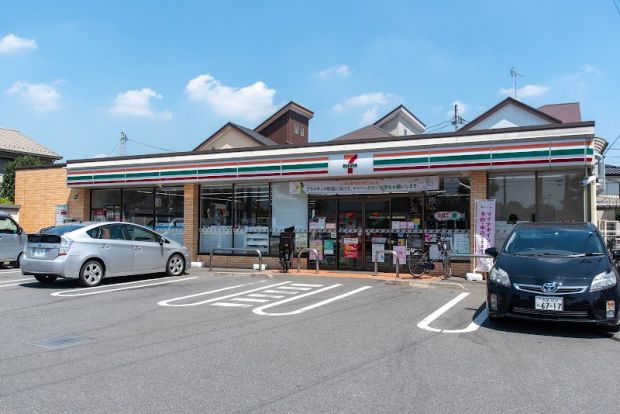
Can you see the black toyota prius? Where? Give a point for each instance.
(555, 272)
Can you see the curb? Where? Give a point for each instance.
(426, 285)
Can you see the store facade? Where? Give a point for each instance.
(348, 199)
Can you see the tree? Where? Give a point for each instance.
(8, 181)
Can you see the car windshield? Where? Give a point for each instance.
(555, 242)
(60, 230)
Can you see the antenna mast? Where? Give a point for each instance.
(515, 75)
(456, 119)
(123, 146)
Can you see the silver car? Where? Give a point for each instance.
(12, 240)
(91, 251)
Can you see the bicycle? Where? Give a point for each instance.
(286, 248)
(419, 261)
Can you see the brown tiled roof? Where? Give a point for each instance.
(369, 131)
(612, 170)
(565, 112)
(16, 142)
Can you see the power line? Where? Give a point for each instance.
(617, 7)
(612, 144)
(148, 145)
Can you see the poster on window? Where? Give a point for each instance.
(485, 232)
(401, 252)
(316, 244)
(328, 246)
(375, 253)
(350, 247)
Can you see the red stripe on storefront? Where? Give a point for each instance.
(305, 172)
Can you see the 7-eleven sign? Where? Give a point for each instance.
(351, 164)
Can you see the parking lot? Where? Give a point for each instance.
(206, 343)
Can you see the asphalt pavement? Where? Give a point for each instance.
(290, 344)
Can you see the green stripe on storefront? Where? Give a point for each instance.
(401, 161)
(108, 176)
(465, 157)
(142, 175)
(218, 170)
(174, 173)
(80, 178)
(262, 168)
(304, 166)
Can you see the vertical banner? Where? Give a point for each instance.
(485, 232)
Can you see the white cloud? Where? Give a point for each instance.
(137, 103)
(341, 71)
(589, 69)
(527, 91)
(11, 43)
(463, 108)
(43, 97)
(251, 102)
(370, 115)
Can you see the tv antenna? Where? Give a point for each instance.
(515, 75)
(123, 143)
(457, 119)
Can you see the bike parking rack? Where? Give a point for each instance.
(376, 257)
(236, 249)
(316, 261)
(447, 274)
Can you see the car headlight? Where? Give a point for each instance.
(602, 281)
(499, 276)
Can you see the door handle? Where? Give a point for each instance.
(137, 248)
(105, 246)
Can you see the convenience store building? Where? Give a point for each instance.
(374, 188)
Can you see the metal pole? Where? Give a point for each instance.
(316, 261)
(211, 260)
(393, 253)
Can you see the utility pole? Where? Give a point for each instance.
(457, 120)
(123, 146)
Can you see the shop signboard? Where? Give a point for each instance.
(369, 186)
(485, 232)
(447, 215)
(351, 164)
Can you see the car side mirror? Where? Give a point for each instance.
(491, 251)
(161, 241)
(20, 230)
(616, 254)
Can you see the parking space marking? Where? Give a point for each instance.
(168, 302)
(251, 300)
(231, 305)
(109, 288)
(260, 295)
(474, 325)
(305, 285)
(280, 292)
(2, 282)
(261, 310)
(295, 288)
(2, 272)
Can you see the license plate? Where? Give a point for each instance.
(39, 253)
(549, 303)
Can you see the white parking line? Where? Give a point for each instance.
(260, 295)
(109, 288)
(231, 305)
(281, 292)
(474, 325)
(250, 300)
(2, 282)
(10, 271)
(261, 310)
(168, 302)
(305, 285)
(295, 288)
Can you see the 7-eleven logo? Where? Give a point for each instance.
(351, 163)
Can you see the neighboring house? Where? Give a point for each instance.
(288, 125)
(398, 122)
(608, 201)
(14, 144)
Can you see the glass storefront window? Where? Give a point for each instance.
(560, 196)
(216, 204)
(322, 229)
(251, 215)
(169, 212)
(288, 210)
(515, 195)
(105, 205)
(449, 208)
(138, 206)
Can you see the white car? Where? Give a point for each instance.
(12, 240)
(90, 252)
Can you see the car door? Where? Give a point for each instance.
(10, 239)
(115, 247)
(148, 253)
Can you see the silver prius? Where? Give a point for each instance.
(91, 251)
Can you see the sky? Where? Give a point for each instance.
(73, 75)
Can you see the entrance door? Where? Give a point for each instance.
(350, 234)
(377, 233)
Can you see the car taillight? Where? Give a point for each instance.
(65, 245)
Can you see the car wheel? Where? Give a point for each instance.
(46, 279)
(91, 273)
(175, 265)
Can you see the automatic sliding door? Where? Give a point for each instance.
(350, 234)
(377, 234)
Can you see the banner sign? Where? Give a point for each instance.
(485, 232)
(370, 186)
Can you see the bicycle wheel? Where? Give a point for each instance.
(416, 263)
(285, 263)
